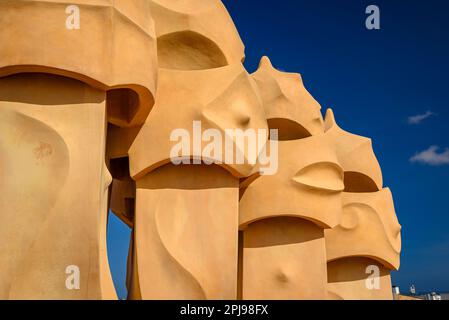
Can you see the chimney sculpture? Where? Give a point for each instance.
(233, 184)
(58, 89)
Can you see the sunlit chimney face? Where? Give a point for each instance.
(48, 125)
(309, 173)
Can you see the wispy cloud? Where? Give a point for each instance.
(420, 117)
(432, 157)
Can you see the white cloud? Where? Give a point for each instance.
(420, 117)
(432, 157)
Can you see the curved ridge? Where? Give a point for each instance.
(372, 211)
(159, 211)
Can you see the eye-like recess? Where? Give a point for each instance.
(356, 182)
(325, 176)
(122, 105)
(189, 50)
(288, 129)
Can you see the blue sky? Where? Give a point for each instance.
(375, 81)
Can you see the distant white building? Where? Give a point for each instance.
(444, 296)
(421, 296)
(412, 289)
(433, 296)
